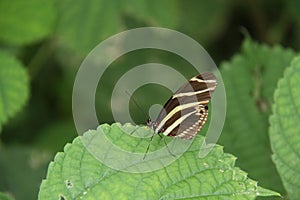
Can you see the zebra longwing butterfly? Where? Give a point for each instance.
(186, 111)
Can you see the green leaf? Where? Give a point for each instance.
(104, 18)
(76, 174)
(14, 87)
(4, 196)
(250, 79)
(285, 129)
(267, 65)
(24, 22)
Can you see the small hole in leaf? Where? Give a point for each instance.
(69, 184)
(61, 197)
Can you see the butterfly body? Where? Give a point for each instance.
(186, 111)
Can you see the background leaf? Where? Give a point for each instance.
(23, 22)
(206, 25)
(54, 137)
(4, 196)
(285, 128)
(21, 169)
(105, 18)
(212, 177)
(14, 86)
(249, 80)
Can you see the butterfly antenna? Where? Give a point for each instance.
(135, 102)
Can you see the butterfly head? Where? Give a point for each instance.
(151, 124)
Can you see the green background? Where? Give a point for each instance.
(43, 42)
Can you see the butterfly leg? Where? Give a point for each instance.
(148, 146)
(161, 137)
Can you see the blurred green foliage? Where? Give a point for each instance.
(43, 42)
(284, 128)
(250, 78)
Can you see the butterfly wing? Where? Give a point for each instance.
(186, 111)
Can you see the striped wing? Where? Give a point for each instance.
(186, 111)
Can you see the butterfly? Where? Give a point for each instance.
(185, 113)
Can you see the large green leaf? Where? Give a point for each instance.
(285, 129)
(76, 174)
(23, 22)
(14, 87)
(250, 79)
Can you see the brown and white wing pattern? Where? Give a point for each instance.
(186, 111)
